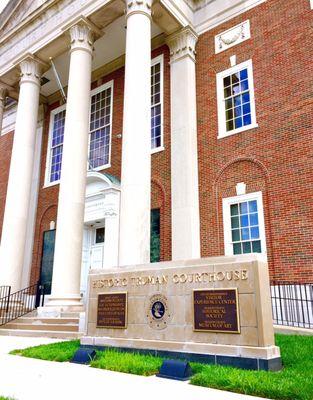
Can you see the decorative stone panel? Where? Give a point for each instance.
(232, 37)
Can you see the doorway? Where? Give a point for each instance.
(47, 258)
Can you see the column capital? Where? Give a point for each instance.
(182, 44)
(31, 69)
(83, 34)
(138, 7)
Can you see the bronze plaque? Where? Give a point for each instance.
(112, 310)
(216, 310)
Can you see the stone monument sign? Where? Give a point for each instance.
(214, 310)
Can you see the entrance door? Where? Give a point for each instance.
(47, 260)
(97, 248)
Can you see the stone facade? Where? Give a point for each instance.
(274, 158)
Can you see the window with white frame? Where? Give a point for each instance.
(100, 127)
(99, 139)
(244, 224)
(235, 97)
(56, 143)
(157, 103)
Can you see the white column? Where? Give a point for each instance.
(184, 152)
(134, 245)
(20, 177)
(3, 94)
(70, 219)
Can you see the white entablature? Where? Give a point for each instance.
(43, 32)
(38, 26)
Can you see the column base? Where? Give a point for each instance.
(56, 306)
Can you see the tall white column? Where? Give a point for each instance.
(134, 245)
(184, 152)
(70, 219)
(3, 94)
(20, 177)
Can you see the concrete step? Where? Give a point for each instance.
(39, 321)
(38, 326)
(41, 333)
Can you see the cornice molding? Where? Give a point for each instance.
(182, 44)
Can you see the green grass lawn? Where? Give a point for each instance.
(6, 398)
(294, 382)
(61, 351)
(137, 364)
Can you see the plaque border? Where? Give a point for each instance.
(126, 312)
(211, 330)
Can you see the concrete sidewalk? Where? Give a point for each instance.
(30, 379)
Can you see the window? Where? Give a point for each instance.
(157, 103)
(100, 127)
(244, 224)
(235, 96)
(56, 143)
(99, 152)
(99, 235)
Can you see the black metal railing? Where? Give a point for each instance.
(15, 305)
(5, 291)
(292, 304)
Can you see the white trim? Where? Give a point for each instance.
(221, 103)
(154, 61)
(47, 182)
(227, 219)
(311, 3)
(97, 90)
(9, 119)
(157, 149)
(213, 14)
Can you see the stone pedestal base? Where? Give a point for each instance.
(246, 357)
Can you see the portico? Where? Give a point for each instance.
(129, 240)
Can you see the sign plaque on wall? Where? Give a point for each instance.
(216, 310)
(112, 310)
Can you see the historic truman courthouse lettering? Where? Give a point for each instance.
(175, 278)
(135, 134)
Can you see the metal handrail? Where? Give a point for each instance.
(292, 304)
(24, 301)
(5, 291)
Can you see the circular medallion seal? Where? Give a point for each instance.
(158, 312)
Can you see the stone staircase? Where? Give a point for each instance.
(64, 327)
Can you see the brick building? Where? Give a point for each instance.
(229, 138)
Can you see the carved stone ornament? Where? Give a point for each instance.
(82, 37)
(232, 37)
(30, 70)
(182, 44)
(138, 7)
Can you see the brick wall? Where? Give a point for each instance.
(275, 158)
